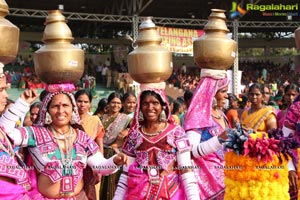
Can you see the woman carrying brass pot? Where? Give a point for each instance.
(159, 153)
(206, 124)
(57, 144)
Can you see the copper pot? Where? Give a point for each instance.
(9, 36)
(297, 38)
(215, 50)
(58, 61)
(149, 62)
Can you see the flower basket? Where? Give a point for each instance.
(256, 166)
(253, 179)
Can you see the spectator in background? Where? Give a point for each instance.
(124, 68)
(123, 85)
(129, 102)
(182, 112)
(286, 82)
(292, 66)
(170, 102)
(107, 62)
(274, 87)
(177, 110)
(103, 73)
(232, 111)
(187, 96)
(264, 74)
(99, 69)
(266, 94)
(43, 95)
(259, 118)
(102, 108)
(290, 93)
(27, 71)
(183, 69)
(21, 61)
(29, 61)
(108, 77)
(116, 125)
(244, 103)
(33, 114)
(92, 125)
(8, 79)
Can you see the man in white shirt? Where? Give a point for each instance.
(103, 73)
(183, 68)
(99, 69)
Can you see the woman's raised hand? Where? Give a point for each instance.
(120, 159)
(29, 96)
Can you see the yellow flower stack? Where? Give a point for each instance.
(248, 178)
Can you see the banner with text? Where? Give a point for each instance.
(179, 40)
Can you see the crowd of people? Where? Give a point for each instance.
(114, 75)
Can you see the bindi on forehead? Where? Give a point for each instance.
(59, 103)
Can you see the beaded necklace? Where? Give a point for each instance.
(150, 134)
(67, 185)
(66, 158)
(153, 134)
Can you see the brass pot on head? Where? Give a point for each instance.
(215, 50)
(149, 62)
(9, 36)
(297, 38)
(58, 61)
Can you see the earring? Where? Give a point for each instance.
(141, 116)
(73, 118)
(163, 116)
(48, 119)
(214, 103)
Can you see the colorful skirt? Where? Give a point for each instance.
(140, 187)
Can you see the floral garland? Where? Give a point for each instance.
(254, 168)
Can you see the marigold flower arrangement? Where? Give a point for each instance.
(256, 167)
